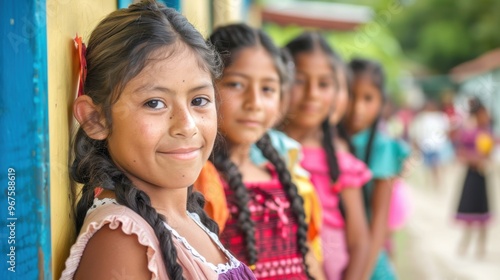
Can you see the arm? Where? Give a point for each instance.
(315, 267)
(380, 203)
(112, 254)
(357, 233)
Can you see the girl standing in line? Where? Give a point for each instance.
(334, 172)
(383, 155)
(148, 124)
(474, 148)
(267, 226)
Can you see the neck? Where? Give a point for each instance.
(240, 154)
(305, 136)
(172, 203)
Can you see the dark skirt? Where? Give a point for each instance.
(473, 204)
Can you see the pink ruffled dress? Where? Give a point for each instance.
(108, 212)
(353, 174)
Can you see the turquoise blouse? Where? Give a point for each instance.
(387, 154)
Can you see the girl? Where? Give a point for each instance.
(148, 124)
(333, 170)
(383, 156)
(267, 226)
(474, 149)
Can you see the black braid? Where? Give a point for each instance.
(297, 202)
(235, 181)
(331, 156)
(367, 158)
(342, 132)
(196, 202)
(139, 201)
(85, 170)
(374, 71)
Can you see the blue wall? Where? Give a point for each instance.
(24, 141)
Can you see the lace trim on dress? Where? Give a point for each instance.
(100, 202)
(220, 268)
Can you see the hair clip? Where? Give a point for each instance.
(82, 52)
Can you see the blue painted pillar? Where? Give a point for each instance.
(24, 142)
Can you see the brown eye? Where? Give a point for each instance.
(155, 104)
(200, 101)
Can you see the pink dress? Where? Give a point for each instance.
(353, 174)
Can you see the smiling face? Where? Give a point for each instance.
(366, 105)
(313, 92)
(249, 96)
(164, 122)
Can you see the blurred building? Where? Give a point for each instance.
(323, 15)
(480, 78)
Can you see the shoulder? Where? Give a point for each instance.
(111, 253)
(388, 156)
(121, 229)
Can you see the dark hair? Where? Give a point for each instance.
(118, 50)
(234, 179)
(228, 41)
(372, 70)
(309, 42)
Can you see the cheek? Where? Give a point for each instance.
(341, 104)
(272, 107)
(296, 94)
(207, 124)
(329, 100)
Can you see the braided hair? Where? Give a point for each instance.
(374, 71)
(234, 179)
(228, 41)
(305, 43)
(118, 50)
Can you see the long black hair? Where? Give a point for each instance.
(372, 70)
(118, 50)
(228, 41)
(305, 43)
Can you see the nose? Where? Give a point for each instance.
(182, 123)
(253, 99)
(312, 90)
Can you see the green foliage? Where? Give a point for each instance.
(444, 33)
(373, 40)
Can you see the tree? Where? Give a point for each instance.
(444, 33)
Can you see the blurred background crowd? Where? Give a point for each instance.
(442, 60)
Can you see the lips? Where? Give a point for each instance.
(183, 153)
(249, 122)
(310, 107)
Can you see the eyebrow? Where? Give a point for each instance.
(147, 87)
(232, 73)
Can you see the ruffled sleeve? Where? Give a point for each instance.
(117, 217)
(387, 154)
(353, 172)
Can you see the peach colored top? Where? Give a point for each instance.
(108, 211)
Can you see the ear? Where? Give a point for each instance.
(90, 118)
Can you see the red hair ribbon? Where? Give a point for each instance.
(82, 51)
